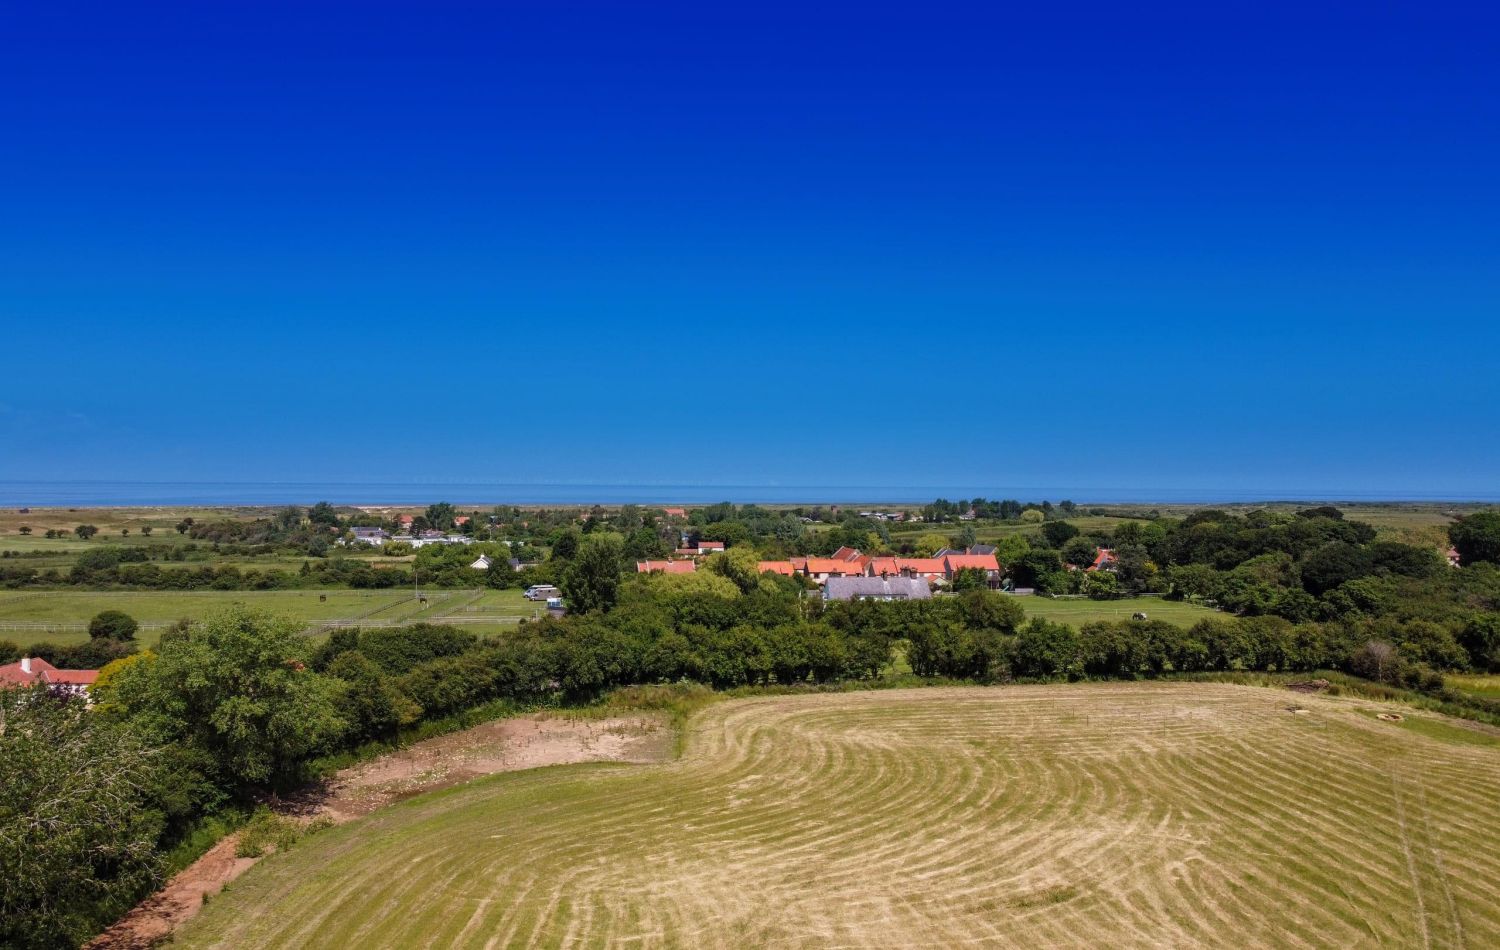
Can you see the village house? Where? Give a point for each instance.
(883, 567)
(481, 563)
(1453, 558)
(821, 569)
(877, 588)
(375, 536)
(30, 671)
(783, 568)
(929, 568)
(985, 562)
(710, 547)
(665, 567)
(1104, 560)
(674, 512)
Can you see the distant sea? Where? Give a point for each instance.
(83, 494)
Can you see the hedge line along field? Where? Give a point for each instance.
(62, 616)
(1129, 814)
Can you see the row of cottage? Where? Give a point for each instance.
(849, 562)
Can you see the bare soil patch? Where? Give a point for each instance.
(507, 745)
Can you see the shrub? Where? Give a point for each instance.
(113, 625)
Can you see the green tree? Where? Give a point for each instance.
(1079, 552)
(440, 516)
(85, 531)
(1477, 538)
(78, 819)
(741, 565)
(566, 545)
(929, 544)
(24, 529)
(1058, 533)
(113, 625)
(969, 578)
(323, 514)
(235, 687)
(1033, 516)
(371, 702)
(592, 580)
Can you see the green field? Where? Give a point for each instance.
(1057, 816)
(62, 616)
(1078, 612)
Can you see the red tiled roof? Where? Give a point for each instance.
(666, 567)
(1102, 557)
(921, 565)
(44, 672)
(985, 562)
(799, 563)
(828, 565)
(883, 567)
(706, 545)
(675, 512)
(73, 677)
(777, 567)
(846, 553)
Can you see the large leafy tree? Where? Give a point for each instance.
(592, 580)
(1477, 538)
(235, 688)
(78, 819)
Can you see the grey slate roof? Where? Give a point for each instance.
(878, 588)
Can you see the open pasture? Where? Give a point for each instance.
(1082, 611)
(1057, 816)
(62, 616)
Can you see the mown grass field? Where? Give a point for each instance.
(1079, 612)
(1056, 816)
(62, 616)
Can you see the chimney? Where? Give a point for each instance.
(26, 665)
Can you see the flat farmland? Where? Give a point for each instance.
(1058, 816)
(1082, 611)
(62, 616)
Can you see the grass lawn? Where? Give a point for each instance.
(1141, 814)
(1078, 612)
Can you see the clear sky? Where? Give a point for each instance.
(924, 244)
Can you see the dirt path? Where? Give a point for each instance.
(507, 745)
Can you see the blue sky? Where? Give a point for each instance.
(932, 244)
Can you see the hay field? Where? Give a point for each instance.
(1122, 814)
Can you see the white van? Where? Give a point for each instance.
(542, 592)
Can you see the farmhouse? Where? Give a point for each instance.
(29, 671)
(675, 512)
(1104, 560)
(665, 567)
(984, 562)
(877, 588)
